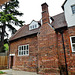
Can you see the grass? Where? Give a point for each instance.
(1, 72)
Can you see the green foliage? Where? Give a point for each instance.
(6, 47)
(8, 13)
(8, 18)
(1, 72)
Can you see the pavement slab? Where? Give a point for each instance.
(15, 72)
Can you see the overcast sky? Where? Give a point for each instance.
(32, 9)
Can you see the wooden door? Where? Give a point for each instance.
(11, 62)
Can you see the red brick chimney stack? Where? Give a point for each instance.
(45, 13)
(3, 1)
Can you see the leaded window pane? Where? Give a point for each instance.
(33, 26)
(19, 53)
(73, 39)
(22, 47)
(19, 48)
(23, 50)
(73, 9)
(27, 52)
(74, 47)
(27, 47)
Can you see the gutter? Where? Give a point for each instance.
(9, 57)
(10, 40)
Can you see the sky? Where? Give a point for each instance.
(32, 9)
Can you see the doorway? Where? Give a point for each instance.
(11, 62)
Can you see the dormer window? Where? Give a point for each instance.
(73, 9)
(33, 25)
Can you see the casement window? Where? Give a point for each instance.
(33, 27)
(72, 39)
(23, 50)
(73, 9)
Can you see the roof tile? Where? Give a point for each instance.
(23, 31)
(59, 21)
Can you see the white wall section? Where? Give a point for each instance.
(70, 17)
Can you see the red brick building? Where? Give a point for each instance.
(3, 1)
(45, 47)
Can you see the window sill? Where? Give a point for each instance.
(23, 55)
(73, 52)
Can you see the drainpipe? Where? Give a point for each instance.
(37, 63)
(9, 57)
(64, 52)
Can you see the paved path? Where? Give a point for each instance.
(14, 72)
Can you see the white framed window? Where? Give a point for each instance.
(33, 27)
(73, 9)
(72, 39)
(23, 50)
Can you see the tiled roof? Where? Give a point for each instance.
(59, 21)
(23, 31)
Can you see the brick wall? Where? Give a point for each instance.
(47, 47)
(48, 58)
(46, 53)
(61, 51)
(71, 31)
(70, 56)
(28, 63)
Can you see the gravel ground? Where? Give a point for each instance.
(14, 72)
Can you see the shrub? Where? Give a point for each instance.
(1, 72)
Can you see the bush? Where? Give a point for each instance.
(1, 72)
(6, 47)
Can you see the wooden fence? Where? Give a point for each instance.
(3, 61)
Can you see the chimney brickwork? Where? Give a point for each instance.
(45, 13)
(48, 58)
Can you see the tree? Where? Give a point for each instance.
(8, 18)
